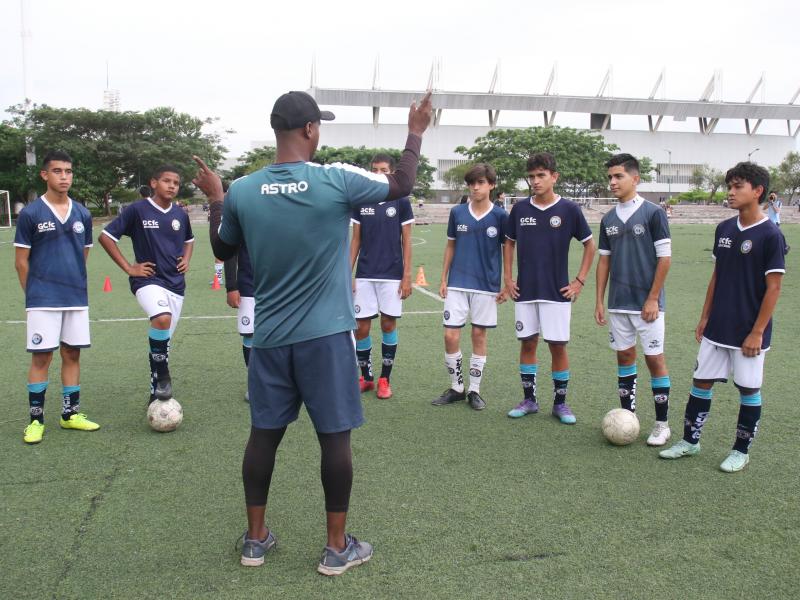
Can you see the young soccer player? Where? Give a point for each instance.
(53, 237)
(240, 295)
(736, 321)
(470, 285)
(294, 217)
(382, 244)
(541, 229)
(162, 244)
(635, 250)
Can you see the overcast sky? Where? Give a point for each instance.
(233, 61)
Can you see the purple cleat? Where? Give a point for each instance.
(526, 407)
(564, 413)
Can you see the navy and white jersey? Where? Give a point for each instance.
(631, 243)
(244, 273)
(158, 236)
(56, 264)
(543, 236)
(478, 258)
(380, 257)
(744, 256)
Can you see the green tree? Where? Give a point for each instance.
(454, 177)
(114, 150)
(15, 176)
(707, 179)
(580, 156)
(251, 161)
(362, 156)
(785, 178)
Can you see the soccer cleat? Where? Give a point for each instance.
(33, 433)
(335, 563)
(384, 389)
(163, 389)
(448, 397)
(564, 413)
(80, 422)
(475, 401)
(679, 450)
(735, 461)
(253, 551)
(526, 407)
(365, 385)
(660, 434)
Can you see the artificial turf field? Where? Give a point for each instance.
(458, 504)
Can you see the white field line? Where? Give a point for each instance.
(419, 241)
(422, 290)
(204, 317)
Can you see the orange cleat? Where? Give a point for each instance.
(384, 389)
(365, 385)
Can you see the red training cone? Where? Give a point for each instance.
(215, 282)
(107, 284)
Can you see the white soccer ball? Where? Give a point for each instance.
(620, 426)
(164, 415)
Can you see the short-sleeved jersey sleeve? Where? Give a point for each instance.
(363, 187)
(774, 254)
(582, 231)
(189, 233)
(504, 225)
(603, 245)
(230, 231)
(355, 217)
(714, 242)
(406, 212)
(23, 238)
(88, 241)
(451, 226)
(511, 225)
(659, 226)
(122, 225)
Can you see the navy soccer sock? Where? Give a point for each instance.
(247, 345)
(527, 372)
(159, 352)
(696, 414)
(388, 352)
(560, 383)
(747, 425)
(363, 352)
(661, 386)
(626, 380)
(71, 401)
(36, 392)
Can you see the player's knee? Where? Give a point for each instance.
(388, 324)
(656, 362)
(451, 334)
(41, 360)
(70, 353)
(746, 391)
(161, 321)
(626, 357)
(362, 328)
(703, 384)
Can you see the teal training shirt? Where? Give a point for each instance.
(294, 219)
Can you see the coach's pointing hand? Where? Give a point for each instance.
(419, 117)
(208, 181)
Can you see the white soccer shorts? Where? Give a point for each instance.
(47, 329)
(246, 315)
(480, 307)
(624, 327)
(549, 319)
(374, 297)
(715, 363)
(156, 300)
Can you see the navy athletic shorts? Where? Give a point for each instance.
(321, 373)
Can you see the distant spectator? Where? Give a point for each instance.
(464, 199)
(500, 200)
(774, 206)
(145, 192)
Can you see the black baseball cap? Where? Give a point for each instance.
(294, 110)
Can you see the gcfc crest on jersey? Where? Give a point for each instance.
(176, 225)
(491, 232)
(391, 211)
(555, 221)
(77, 227)
(746, 246)
(638, 230)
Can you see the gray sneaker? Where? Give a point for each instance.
(253, 551)
(354, 554)
(475, 401)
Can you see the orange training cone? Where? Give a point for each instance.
(107, 284)
(421, 277)
(215, 282)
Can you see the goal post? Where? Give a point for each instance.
(5, 209)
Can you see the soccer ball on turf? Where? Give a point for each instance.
(620, 426)
(164, 415)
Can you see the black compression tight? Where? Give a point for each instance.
(336, 468)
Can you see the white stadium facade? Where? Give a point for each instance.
(675, 154)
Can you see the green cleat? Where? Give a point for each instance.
(679, 450)
(33, 433)
(735, 461)
(80, 422)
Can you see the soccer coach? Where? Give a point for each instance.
(293, 216)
